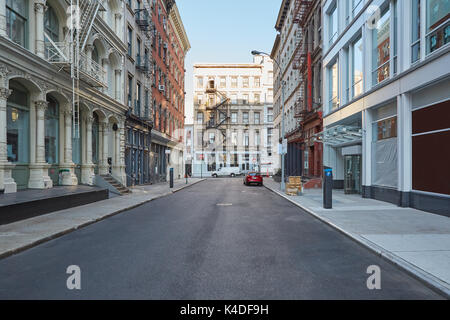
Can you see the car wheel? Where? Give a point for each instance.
(232, 175)
(214, 175)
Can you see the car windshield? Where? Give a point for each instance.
(253, 174)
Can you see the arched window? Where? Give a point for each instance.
(51, 24)
(95, 55)
(51, 131)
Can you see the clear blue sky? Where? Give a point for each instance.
(226, 31)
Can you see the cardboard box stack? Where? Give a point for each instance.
(294, 186)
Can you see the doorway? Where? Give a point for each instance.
(352, 171)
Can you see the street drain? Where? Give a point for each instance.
(224, 204)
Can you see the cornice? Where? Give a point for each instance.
(177, 25)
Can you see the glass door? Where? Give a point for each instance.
(352, 178)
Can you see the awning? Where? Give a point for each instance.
(340, 136)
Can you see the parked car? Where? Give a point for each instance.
(226, 171)
(253, 177)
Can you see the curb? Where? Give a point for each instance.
(85, 224)
(428, 279)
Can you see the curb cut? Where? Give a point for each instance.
(85, 224)
(429, 280)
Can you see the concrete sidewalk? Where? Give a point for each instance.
(415, 240)
(21, 235)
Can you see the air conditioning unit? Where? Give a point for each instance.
(161, 88)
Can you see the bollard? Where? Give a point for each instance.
(171, 178)
(327, 188)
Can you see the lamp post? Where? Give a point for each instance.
(257, 53)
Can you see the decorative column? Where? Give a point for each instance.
(39, 178)
(67, 167)
(87, 168)
(39, 9)
(106, 78)
(7, 183)
(118, 170)
(104, 167)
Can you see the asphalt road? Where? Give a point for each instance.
(215, 240)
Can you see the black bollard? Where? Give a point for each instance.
(327, 188)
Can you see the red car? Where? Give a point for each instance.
(253, 177)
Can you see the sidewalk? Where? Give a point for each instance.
(415, 240)
(21, 235)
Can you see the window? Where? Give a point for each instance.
(257, 98)
(356, 7)
(211, 138)
(199, 117)
(199, 82)
(137, 106)
(233, 98)
(257, 82)
(130, 90)
(199, 99)
(51, 24)
(18, 124)
(223, 82)
(333, 86)
(245, 117)
(415, 35)
(257, 140)
(130, 42)
(357, 68)
(246, 139)
(333, 25)
(386, 129)
(138, 51)
(245, 99)
(16, 21)
(438, 24)
(257, 117)
(51, 131)
(234, 117)
(234, 82)
(245, 82)
(234, 138)
(381, 44)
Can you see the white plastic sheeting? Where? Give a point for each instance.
(384, 164)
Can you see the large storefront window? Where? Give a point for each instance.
(438, 24)
(16, 20)
(384, 147)
(381, 44)
(18, 124)
(51, 131)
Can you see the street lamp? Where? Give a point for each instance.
(257, 53)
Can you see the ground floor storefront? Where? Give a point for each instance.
(397, 150)
(40, 146)
(138, 152)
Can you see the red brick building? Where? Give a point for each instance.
(169, 47)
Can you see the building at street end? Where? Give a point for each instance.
(387, 100)
(170, 45)
(233, 117)
(62, 111)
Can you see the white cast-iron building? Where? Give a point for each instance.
(245, 138)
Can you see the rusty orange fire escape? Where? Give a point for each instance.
(301, 11)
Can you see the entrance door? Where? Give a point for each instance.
(352, 178)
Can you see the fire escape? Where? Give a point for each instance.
(144, 22)
(301, 10)
(69, 54)
(217, 114)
